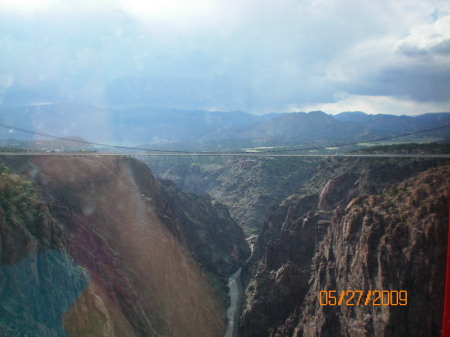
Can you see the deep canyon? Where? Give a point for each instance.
(97, 246)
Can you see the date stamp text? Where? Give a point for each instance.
(360, 297)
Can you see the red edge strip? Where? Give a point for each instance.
(446, 316)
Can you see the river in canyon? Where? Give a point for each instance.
(234, 284)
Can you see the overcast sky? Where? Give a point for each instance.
(259, 56)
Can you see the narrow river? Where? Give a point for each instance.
(235, 286)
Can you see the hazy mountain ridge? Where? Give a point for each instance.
(145, 125)
(390, 123)
(315, 125)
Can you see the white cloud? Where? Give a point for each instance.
(28, 5)
(253, 55)
(159, 14)
(375, 105)
(424, 36)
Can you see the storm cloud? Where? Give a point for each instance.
(255, 56)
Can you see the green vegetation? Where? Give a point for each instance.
(39, 281)
(20, 203)
(394, 189)
(409, 148)
(220, 288)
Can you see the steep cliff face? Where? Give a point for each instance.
(356, 225)
(248, 187)
(129, 239)
(204, 226)
(392, 241)
(40, 280)
(35, 266)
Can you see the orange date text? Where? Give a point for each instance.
(360, 297)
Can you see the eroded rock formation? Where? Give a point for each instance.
(356, 225)
(133, 257)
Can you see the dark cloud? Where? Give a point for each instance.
(255, 55)
(442, 48)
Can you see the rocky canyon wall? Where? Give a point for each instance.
(356, 225)
(110, 251)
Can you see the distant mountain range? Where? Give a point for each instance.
(139, 125)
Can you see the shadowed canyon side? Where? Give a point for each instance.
(118, 229)
(356, 225)
(247, 186)
(393, 241)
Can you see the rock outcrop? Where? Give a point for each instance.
(356, 225)
(122, 243)
(248, 187)
(35, 268)
(393, 241)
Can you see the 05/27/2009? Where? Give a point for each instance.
(360, 297)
